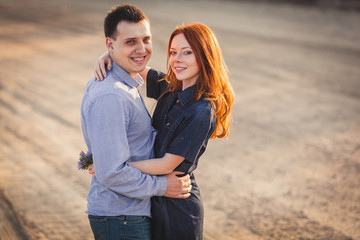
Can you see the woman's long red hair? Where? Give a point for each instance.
(213, 82)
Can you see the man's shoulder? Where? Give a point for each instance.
(108, 87)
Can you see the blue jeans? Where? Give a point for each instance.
(120, 227)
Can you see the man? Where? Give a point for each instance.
(117, 130)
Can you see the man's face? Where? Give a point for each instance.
(132, 47)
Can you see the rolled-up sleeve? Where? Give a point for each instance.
(192, 134)
(107, 125)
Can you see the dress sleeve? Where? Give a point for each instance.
(191, 136)
(154, 87)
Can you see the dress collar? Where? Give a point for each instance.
(186, 95)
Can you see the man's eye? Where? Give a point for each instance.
(146, 40)
(130, 42)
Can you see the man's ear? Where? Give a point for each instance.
(109, 44)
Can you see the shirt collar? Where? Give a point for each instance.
(125, 77)
(186, 95)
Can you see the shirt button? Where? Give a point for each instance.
(167, 124)
(124, 223)
(177, 101)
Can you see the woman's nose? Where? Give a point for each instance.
(178, 57)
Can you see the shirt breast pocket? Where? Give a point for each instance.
(171, 123)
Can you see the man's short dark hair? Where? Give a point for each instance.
(124, 12)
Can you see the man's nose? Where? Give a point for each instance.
(141, 48)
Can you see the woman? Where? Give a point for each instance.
(194, 103)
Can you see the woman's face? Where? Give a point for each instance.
(183, 61)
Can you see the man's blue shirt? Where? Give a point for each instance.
(117, 130)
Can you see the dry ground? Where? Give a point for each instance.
(289, 170)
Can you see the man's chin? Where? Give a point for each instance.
(136, 70)
(140, 68)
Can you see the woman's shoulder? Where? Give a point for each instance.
(202, 103)
(201, 108)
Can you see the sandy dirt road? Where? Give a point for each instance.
(289, 170)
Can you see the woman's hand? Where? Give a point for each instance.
(91, 169)
(100, 64)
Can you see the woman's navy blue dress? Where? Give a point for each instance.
(184, 127)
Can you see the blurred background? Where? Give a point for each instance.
(290, 168)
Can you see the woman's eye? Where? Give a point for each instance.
(188, 52)
(172, 52)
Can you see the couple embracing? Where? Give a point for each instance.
(143, 185)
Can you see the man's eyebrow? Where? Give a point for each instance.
(129, 38)
(134, 38)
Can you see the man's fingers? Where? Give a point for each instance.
(183, 178)
(187, 189)
(186, 182)
(186, 178)
(180, 187)
(186, 195)
(178, 173)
